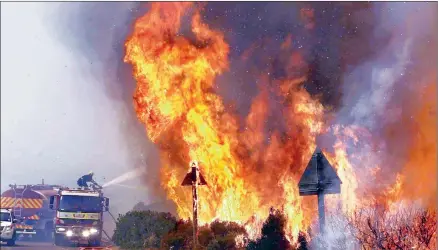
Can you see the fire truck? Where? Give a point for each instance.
(79, 216)
(30, 206)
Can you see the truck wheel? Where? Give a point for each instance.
(47, 235)
(59, 241)
(38, 236)
(95, 243)
(11, 242)
(48, 231)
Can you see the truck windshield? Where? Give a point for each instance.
(75, 203)
(5, 216)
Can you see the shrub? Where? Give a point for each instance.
(302, 242)
(273, 233)
(406, 228)
(217, 235)
(180, 237)
(142, 229)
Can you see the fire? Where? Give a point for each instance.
(181, 70)
(246, 174)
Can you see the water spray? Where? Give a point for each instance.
(131, 187)
(124, 177)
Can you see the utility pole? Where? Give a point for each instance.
(319, 179)
(194, 178)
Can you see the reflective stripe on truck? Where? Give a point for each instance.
(8, 202)
(24, 229)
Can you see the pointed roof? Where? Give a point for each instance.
(319, 176)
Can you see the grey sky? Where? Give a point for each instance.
(56, 121)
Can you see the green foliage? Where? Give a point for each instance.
(205, 236)
(180, 237)
(218, 235)
(223, 228)
(273, 234)
(224, 242)
(149, 229)
(142, 229)
(214, 245)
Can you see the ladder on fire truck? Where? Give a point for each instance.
(18, 199)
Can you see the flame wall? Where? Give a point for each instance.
(252, 114)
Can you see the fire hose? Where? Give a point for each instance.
(114, 219)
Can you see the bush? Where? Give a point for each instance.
(408, 227)
(180, 237)
(142, 229)
(273, 233)
(218, 235)
(302, 242)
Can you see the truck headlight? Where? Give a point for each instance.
(85, 233)
(61, 229)
(69, 233)
(93, 231)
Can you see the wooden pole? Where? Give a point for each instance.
(194, 178)
(321, 212)
(320, 194)
(195, 210)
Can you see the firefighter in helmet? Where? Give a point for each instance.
(82, 182)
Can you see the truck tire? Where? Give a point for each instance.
(48, 231)
(59, 240)
(11, 242)
(94, 243)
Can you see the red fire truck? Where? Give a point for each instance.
(79, 216)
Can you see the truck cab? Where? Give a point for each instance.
(79, 216)
(7, 228)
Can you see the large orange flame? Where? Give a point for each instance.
(183, 115)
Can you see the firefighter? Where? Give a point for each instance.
(82, 182)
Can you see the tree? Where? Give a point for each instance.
(141, 229)
(273, 233)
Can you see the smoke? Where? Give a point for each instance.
(67, 99)
(371, 86)
(97, 32)
(388, 95)
(333, 237)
